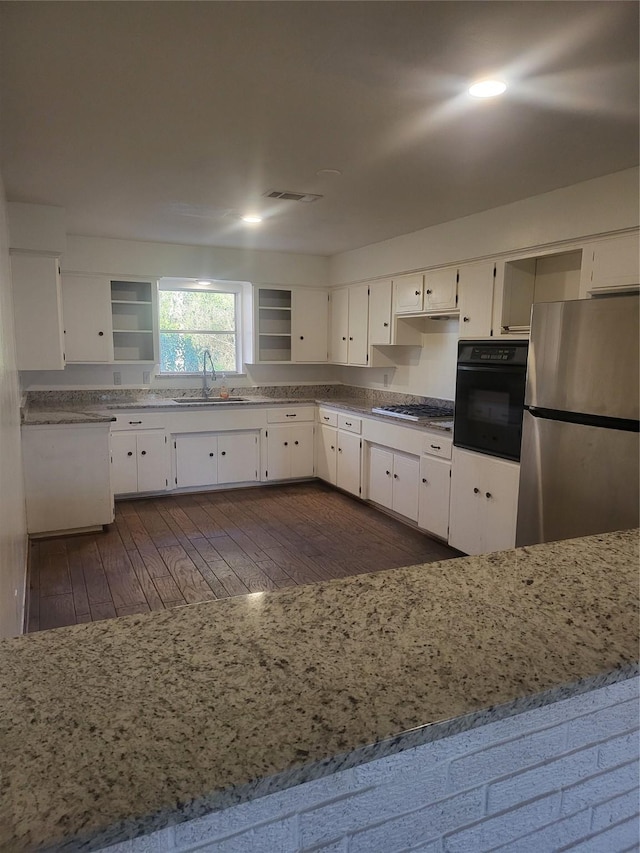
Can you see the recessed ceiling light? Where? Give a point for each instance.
(487, 88)
(252, 219)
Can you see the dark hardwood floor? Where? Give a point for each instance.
(173, 550)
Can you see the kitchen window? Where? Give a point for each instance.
(197, 316)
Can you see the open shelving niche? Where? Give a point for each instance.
(274, 325)
(132, 318)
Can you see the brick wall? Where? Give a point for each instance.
(563, 777)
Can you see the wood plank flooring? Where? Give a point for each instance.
(175, 550)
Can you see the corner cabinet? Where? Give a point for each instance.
(484, 502)
(38, 312)
(291, 324)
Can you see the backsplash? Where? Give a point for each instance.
(70, 399)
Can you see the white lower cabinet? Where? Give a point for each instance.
(209, 459)
(290, 451)
(433, 500)
(484, 502)
(393, 481)
(139, 461)
(338, 458)
(66, 474)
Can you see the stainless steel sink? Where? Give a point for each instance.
(210, 400)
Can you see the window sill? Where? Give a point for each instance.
(199, 376)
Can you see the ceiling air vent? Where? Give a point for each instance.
(287, 195)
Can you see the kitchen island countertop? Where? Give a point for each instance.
(117, 728)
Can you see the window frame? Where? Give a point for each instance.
(195, 286)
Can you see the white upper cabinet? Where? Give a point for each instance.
(380, 313)
(408, 293)
(350, 324)
(610, 263)
(309, 325)
(441, 289)
(475, 299)
(37, 306)
(86, 303)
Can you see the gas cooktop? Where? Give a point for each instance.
(415, 411)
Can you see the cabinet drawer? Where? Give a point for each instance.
(350, 424)
(328, 417)
(291, 414)
(137, 420)
(435, 445)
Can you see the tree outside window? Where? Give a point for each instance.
(194, 320)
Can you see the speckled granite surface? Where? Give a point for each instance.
(117, 728)
(69, 407)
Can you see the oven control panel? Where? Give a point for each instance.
(493, 353)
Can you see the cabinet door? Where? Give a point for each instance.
(467, 504)
(339, 325)
(358, 324)
(475, 292)
(326, 450)
(406, 475)
(153, 461)
(309, 325)
(87, 318)
(37, 311)
(380, 313)
(408, 293)
(196, 460)
(433, 498)
(301, 450)
(381, 476)
(611, 263)
(278, 453)
(500, 483)
(238, 457)
(124, 463)
(440, 289)
(348, 463)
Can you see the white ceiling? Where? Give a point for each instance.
(164, 120)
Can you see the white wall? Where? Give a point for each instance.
(13, 535)
(593, 207)
(130, 257)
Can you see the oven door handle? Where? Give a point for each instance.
(497, 368)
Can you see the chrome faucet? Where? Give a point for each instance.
(205, 388)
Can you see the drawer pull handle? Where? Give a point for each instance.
(130, 453)
(476, 491)
(135, 422)
(489, 495)
(348, 423)
(325, 417)
(292, 416)
(435, 446)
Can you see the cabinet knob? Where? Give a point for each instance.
(333, 447)
(350, 339)
(295, 442)
(465, 319)
(385, 325)
(343, 338)
(388, 473)
(339, 450)
(418, 292)
(286, 444)
(100, 334)
(476, 491)
(301, 337)
(488, 494)
(211, 454)
(223, 453)
(144, 453)
(130, 453)
(424, 480)
(395, 476)
(429, 291)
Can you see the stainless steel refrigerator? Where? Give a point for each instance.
(579, 462)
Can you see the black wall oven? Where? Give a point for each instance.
(490, 384)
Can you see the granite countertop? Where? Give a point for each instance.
(120, 727)
(76, 414)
